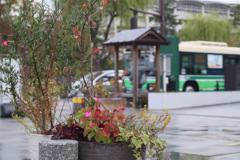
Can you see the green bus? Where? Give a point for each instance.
(195, 65)
(200, 65)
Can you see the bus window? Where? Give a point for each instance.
(186, 64)
(199, 66)
(230, 60)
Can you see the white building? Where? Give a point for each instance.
(183, 9)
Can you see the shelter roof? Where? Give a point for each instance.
(142, 36)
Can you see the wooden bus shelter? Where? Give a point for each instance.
(136, 39)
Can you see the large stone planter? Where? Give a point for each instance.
(113, 103)
(58, 150)
(104, 151)
(34, 140)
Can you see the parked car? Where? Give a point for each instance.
(99, 77)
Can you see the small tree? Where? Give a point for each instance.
(206, 27)
(46, 36)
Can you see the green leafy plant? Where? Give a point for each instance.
(140, 129)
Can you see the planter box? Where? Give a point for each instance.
(113, 103)
(107, 151)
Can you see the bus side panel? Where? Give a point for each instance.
(204, 82)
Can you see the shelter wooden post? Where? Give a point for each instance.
(116, 68)
(157, 65)
(135, 75)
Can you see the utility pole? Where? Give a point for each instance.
(162, 17)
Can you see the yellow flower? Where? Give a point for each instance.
(132, 104)
(133, 110)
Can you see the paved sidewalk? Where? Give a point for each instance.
(206, 133)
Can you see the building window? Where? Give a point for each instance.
(189, 7)
(222, 10)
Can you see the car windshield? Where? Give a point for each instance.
(88, 76)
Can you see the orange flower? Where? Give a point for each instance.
(104, 2)
(84, 6)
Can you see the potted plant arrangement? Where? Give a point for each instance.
(108, 135)
(42, 42)
(45, 38)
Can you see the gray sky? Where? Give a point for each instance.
(221, 1)
(224, 1)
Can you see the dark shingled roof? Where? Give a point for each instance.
(142, 36)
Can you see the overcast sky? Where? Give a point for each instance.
(225, 1)
(222, 1)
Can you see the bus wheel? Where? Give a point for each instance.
(190, 88)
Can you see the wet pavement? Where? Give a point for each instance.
(205, 133)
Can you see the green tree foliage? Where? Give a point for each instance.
(100, 33)
(46, 36)
(120, 10)
(236, 20)
(170, 18)
(5, 29)
(206, 27)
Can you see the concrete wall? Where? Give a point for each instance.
(190, 99)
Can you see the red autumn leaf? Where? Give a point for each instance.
(84, 6)
(66, 68)
(124, 73)
(104, 2)
(96, 50)
(93, 23)
(106, 134)
(109, 127)
(121, 117)
(76, 30)
(84, 120)
(115, 134)
(115, 120)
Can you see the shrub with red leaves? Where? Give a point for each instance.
(72, 131)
